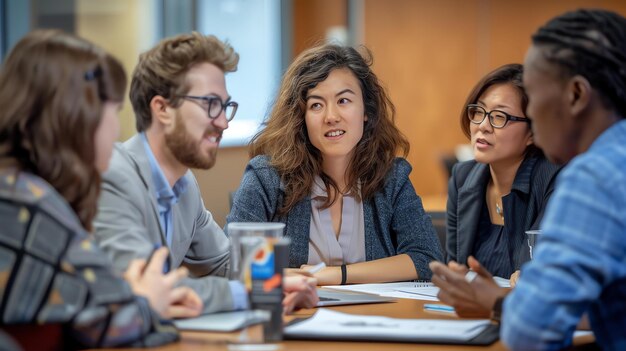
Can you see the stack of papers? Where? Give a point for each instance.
(332, 325)
(224, 321)
(405, 290)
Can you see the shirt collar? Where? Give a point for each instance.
(166, 196)
(319, 189)
(477, 181)
(613, 135)
(523, 176)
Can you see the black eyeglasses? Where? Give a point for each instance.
(215, 106)
(497, 118)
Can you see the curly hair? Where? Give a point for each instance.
(285, 139)
(507, 74)
(53, 87)
(162, 70)
(592, 44)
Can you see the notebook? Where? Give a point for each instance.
(333, 325)
(330, 297)
(224, 321)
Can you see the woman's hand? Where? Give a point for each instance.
(326, 275)
(167, 300)
(297, 272)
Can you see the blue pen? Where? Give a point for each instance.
(438, 308)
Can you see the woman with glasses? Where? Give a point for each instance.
(495, 198)
(326, 165)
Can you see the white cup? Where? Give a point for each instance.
(245, 239)
(259, 253)
(532, 237)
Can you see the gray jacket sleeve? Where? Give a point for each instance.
(126, 227)
(413, 230)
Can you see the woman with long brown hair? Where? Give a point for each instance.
(60, 96)
(326, 165)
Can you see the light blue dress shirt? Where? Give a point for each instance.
(167, 197)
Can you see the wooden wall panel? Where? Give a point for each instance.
(217, 183)
(430, 53)
(426, 54)
(311, 19)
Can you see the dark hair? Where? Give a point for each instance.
(53, 87)
(286, 142)
(592, 44)
(162, 70)
(508, 74)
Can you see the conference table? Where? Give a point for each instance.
(401, 308)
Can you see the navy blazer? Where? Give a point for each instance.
(395, 221)
(523, 206)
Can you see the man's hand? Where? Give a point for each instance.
(184, 303)
(300, 292)
(473, 299)
(149, 281)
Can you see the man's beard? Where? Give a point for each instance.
(186, 150)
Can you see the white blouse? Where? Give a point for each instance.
(324, 245)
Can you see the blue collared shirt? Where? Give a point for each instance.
(167, 197)
(580, 261)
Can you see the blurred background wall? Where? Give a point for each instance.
(427, 53)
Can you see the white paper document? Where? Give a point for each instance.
(581, 333)
(336, 325)
(502, 282)
(404, 290)
(223, 321)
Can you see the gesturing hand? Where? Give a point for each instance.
(184, 303)
(473, 299)
(149, 281)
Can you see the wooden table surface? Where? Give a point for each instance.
(250, 339)
(402, 308)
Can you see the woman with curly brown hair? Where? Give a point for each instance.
(326, 166)
(60, 95)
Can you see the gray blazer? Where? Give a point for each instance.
(395, 222)
(127, 226)
(523, 206)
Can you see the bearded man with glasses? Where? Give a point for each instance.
(150, 197)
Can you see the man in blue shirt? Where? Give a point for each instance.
(150, 197)
(575, 78)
